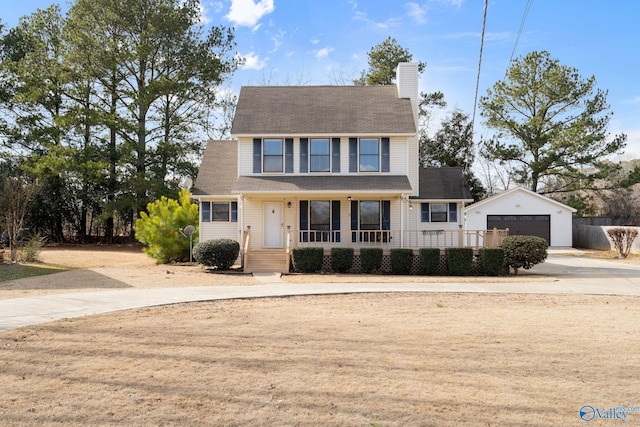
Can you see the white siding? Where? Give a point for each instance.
(253, 218)
(398, 156)
(245, 156)
(219, 230)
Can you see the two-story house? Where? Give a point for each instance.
(327, 166)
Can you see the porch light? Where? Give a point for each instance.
(289, 205)
(349, 198)
(410, 207)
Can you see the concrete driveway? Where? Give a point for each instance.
(566, 275)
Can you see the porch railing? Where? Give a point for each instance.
(426, 238)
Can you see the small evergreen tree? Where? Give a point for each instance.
(159, 229)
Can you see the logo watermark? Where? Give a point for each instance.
(590, 413)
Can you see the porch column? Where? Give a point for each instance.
(402, 196)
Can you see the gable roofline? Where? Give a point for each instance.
(515, 190)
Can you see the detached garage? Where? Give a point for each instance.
(524, 213)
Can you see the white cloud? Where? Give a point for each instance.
(634, 100)
(456, 3)
(314, 41)
(383, 26)
(217, 6)
(253, 62)
(246, 13)
(324, 52)
(415, 11)
(277, 40)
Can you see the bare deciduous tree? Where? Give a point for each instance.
(15, 197)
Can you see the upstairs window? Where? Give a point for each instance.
(369, 155)
(273, 155)
(320, 155)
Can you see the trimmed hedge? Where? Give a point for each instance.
(459, 261)
(370, 259)
(524, 251)
(491, 261)
(307, 260)
(401, 261)
(219, 253)
(429, 260)
(341, 259)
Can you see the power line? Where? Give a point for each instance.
(475, 101)
(524, 19)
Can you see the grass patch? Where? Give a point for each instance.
(20, 271)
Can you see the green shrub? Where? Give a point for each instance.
(492, 261)
(524, 251)
(459, 261)
(341, 259)
(219, 253)
(159, 228)
(307, 260)
(429, 259)
(401, 261)
(370, 259)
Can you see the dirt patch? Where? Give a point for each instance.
(360, 360)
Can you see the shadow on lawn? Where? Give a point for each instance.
(69, 279)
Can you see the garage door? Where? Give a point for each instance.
(522, 225)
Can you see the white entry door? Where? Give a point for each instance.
(273, 225)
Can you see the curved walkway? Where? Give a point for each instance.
(567, 275)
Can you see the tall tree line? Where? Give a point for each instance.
(106, 107)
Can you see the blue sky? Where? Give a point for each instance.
(326, 42)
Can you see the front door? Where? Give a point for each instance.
(273, 225)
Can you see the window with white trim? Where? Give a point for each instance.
(319, 155)
(272, 155)
(219, 211)
(369, 155)
(439, 212)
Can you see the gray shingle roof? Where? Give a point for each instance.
(443, 183)
(218, 170)
(329, 110)
(332, 183)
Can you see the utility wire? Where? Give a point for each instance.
(475, 102)
(524, 19)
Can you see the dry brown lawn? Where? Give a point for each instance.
(356, 360)
(97, 268)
